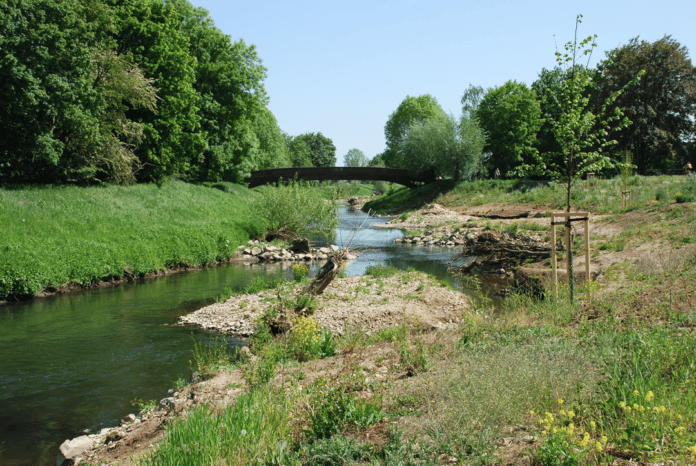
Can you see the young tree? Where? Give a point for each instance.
(511, 117)
(581, 134)
(355, 158)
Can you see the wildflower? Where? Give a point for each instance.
(562, 412)
(571, 414)
(593, 425)
(635, 406)
(636, 393)
(680, 430)
(585, 440)
(649, 396)
(598, 446)
(622, 404)
(243, 432)
(692, 450)
(560, 401)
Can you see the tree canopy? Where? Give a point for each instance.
(444, 147)
(661, 106)
(322, 151)
(411, 109)
(511, 117)
(125, 90)
(355, 158)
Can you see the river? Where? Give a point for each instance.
(72, 363)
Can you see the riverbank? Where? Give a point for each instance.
(464, 395)
(65, 238)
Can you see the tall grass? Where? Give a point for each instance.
(57, 235)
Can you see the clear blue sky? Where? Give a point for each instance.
(341, 68)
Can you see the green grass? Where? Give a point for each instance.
(55, 236)
(603, 197)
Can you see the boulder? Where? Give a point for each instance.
(255, 251)
(70, 450)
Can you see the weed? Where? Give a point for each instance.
(413, 360)
(209, 357)
(300, 272)
(144, 407)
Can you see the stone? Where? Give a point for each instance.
(265, 256)
(247, 251)
(167, 404)
(128, 419)
(255, 251)
(324, 250)
(271, 248)
(71, 449)
(335, 248)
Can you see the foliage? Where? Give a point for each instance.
(355, 158)
(322, 151)
(65, 100)
(298, 152)
(300, 272)
(661, 106)
(510, 115)
(244, 432)
(210, 357)
(334, 404)
(442, 147)
(308, 342)
(241, 133)
(149, 33)
(410, 110)
(296, 207)
(68, 235)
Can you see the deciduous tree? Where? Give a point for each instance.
(321, 149)
(661, 106)
(510, 115)
(410, 110)
(355, 158)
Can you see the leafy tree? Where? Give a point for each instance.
(298, 152)
(661, 106)
(65, 94)
(355, 158)
(510, 115)
(150, 33)
(321, 149)
(443, 147)
(410, 110)
(471, 99)
(241, 133)
(580, 133)
(377, 161)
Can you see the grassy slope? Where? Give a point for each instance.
(53, 236)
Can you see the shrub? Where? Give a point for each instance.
(661, 194)
(296, 207)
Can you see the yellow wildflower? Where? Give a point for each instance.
(649, 396)
(636, 393)
(692, 450)
(598, 446)
(622, 404)
(560, 401)
(680, 430)
(585, 440)
(571, 414)
(593, 426)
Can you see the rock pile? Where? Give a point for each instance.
(454, 239)
(267, 252)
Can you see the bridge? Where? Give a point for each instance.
(393, 175)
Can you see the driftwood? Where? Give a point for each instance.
(493, 250)
(327, 273)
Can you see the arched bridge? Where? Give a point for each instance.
(393, 175)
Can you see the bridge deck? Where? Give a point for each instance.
(393, 175)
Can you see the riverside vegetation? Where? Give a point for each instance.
(536, 380)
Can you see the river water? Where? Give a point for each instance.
(72, 363)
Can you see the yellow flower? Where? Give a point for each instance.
(560, 401)
(635, 406)
(636, 393)
(680, 430)
(593, 426)
(649, 396)
(598, 446)
(585, 440)
(628, 409)
(571, 414)
(692, 450)
(561, 412)
(622, 404)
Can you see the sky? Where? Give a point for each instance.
(341, 68)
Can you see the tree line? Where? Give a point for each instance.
(134, 91)
(513, 128)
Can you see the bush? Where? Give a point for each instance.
(296, 207)
(661, 194)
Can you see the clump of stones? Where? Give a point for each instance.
(265, 252)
